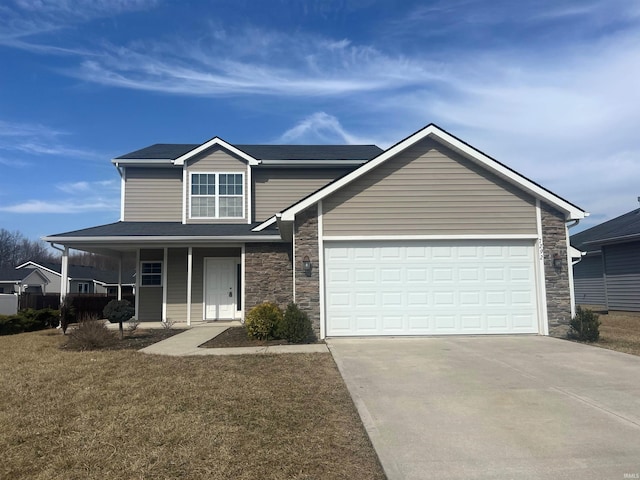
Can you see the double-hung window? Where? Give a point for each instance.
(217, 195)
(151, 274)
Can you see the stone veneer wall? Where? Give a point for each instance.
(306, 243)
(554, 240)
(268, 274)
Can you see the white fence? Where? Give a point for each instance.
(8, 303)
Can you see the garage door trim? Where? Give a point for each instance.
(527, 319)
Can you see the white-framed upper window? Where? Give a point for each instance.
(83, 287)
(151, 274)
(217, 195)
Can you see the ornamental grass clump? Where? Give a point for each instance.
(585, 326)
(90, 334)
(262, 321)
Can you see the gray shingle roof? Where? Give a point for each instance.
(168, 229)
(171, 151)
(626, 225)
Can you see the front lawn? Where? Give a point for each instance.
(620, 331)
(123, 414)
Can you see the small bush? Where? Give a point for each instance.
(585, 326)
(295, 326)
(262, 320)
(118, 311)
(90, 334)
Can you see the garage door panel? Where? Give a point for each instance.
(422, 288)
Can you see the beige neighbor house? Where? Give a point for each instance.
(429, 237)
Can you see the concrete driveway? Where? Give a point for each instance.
(499, 407)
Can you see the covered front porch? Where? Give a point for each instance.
(200, 277)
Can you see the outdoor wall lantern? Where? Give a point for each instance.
(557, 260)
(306, 265)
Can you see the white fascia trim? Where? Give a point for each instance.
(123, 185)
(170, 240)
(333, 238)
(37, 265)
(248, 185)
(323, 328)
(311, 163)
(211, 143)
(185, 197)
(542, 277)
(452, 142)
(137, 162)
(265, 224)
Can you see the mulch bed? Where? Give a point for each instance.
(237, 337)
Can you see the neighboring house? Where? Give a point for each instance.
(45, 278)
(430, 236)
(608, 274)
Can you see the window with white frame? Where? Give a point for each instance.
(151, 274)
(217, 195)
(83, 287)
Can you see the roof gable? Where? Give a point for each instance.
(434, 132)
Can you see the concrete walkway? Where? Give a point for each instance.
(187, 343)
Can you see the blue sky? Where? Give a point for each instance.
(549, 87)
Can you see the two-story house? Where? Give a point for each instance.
(430, 236)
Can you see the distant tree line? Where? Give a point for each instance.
(16, 249)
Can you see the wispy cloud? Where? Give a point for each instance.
(298, 65)
(84, 187)
(62, 207)
(23, 20)
(38, 140)
(321, 128)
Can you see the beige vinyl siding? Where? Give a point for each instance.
(429, 190)
(277, 188)
(197, 279)
(153, 195)
(177, 284)
(150, 298)
(217, 160)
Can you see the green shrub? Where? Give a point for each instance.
(118, 311)
(295, 326)
(28, 320)
(262, 320)
(585, 326)
(90, 334)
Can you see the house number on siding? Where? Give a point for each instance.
(540, 248)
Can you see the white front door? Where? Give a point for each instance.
(220, 288)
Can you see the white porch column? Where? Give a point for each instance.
(189, 282)
(137, 292)
(64, 274)
(164, 284)
(120, 277)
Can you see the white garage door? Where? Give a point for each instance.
(430, 288)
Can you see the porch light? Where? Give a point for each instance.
(306, 265)
(557, 260)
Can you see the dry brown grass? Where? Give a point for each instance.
(620, 331)
(126, 415)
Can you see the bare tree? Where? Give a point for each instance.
(15, 249)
